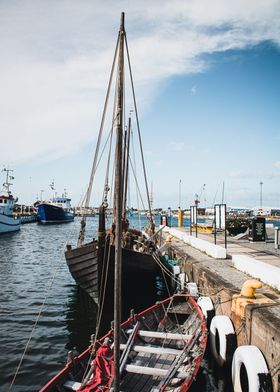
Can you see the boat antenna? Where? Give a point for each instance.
(118, 203)
(7, 184)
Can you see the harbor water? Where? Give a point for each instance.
(43, 314)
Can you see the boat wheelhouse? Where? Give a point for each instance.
(8, 222)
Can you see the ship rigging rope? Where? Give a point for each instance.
(100, 307)
(94, 165)
(93, 170)
(138, 125)
(134, 160)
(110, 151)
(164, 269)
(48, 291)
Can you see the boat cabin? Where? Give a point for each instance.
(62, 202)
(6, 204)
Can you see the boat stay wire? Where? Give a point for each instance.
(138, 129)
(93, 170)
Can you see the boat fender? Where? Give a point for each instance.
(176, 270)
(183, 278)
(207, 308)
(249, 370)
(192, 289)
(222, 339)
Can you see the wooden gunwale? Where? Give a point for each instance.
(60, 377)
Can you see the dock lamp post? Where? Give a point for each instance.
(261, 184)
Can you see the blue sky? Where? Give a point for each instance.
(207, 82)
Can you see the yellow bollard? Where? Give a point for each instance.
(248, 296)
(249, 288)
(180, 217)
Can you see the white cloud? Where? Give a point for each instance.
(238, 174)
(176, 147)
(56, 58)
(194, 90)
(277, 164)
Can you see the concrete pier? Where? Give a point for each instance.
(257, 320)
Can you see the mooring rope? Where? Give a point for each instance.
(48, 290)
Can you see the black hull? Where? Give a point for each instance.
(139, 271)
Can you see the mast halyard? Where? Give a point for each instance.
(126, 165)
(118, 198)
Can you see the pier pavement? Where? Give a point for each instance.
(258, 321)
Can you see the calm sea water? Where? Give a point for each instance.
(34, 272)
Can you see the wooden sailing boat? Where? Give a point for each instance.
(89, 263)
(161, 350)
(156, 350)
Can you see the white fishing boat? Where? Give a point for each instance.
(8, 222)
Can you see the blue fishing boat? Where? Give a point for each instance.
(56, 210)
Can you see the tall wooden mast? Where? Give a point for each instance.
(118, 196)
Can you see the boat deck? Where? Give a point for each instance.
(141, 382)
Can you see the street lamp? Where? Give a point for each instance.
(261, 184)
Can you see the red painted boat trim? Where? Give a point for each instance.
(185, 386)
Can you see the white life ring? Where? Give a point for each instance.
(222, 339)
(249, 370)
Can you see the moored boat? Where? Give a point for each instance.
(85, 265)
(8, 222)
(91, 262)
(56, 210)
(161, 349)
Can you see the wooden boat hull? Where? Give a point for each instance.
(139, 270)
(162, 347)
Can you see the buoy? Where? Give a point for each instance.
(249, 370)
(207, 308)
(192, 289)
(222, 339)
